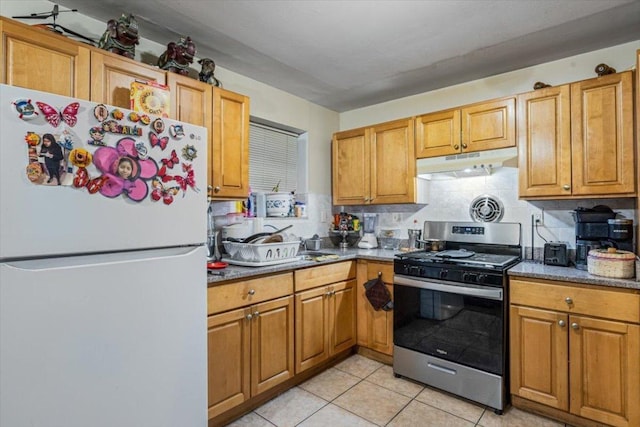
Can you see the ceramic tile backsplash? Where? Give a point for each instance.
(450, 200)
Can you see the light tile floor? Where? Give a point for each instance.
(360, 392)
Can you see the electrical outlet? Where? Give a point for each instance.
(323, 216)
(396, 217)
(537, 218)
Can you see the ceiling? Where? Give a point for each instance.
(349, 54)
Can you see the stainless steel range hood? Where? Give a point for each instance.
(466, 164)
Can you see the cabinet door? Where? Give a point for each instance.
(271, 344)
(438, 134)
(112, 75)
(539, 355)
(342, 316)
(602, 135)
(228, 360)
(42, 60)
(191, 100)
(374, 328)
(229, 151)
(312, 334)
(605, 370)
(393, 162)
(350, 167)
(544, 142)
(489, 125)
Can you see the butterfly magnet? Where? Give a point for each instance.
(157, 141)
(172, 160)
(68, 114)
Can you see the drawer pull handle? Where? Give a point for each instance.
(562, 323)
(251, 292)
(575, 326)
(568, 300)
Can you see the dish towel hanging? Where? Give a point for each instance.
(378, 295)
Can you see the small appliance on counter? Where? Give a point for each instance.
(598, 227)
(555, 253)
(369, 239)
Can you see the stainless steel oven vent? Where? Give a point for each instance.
(486, 208)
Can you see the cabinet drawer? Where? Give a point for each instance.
(238, 294)
(323, 275)
(373, 268)
(611, 304)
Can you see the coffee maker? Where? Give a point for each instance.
(598, 227)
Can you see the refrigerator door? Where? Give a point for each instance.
(110, 340)
(40, 218)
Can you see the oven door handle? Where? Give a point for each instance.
(490, 293)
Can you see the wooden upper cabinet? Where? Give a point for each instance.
(544, 142)
(191, 100)
(112, 75)
(229, 154)
(576, 140)
(489, 125)
(42, 60)
(438, 134)
(393, 162)
(483, 126)
(375, 165)
(350, 167)
(602, 135)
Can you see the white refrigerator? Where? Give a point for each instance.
(102, 265)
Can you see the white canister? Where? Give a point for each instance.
(261, 205)
(278, 204)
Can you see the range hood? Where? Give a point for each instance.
(466, 164)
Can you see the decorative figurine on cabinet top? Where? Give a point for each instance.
(206, 74)
(121, 36)
(178, 56)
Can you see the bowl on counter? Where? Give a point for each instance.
(338, 237)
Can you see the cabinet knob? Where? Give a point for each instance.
(327, 294)
(209, 188)
(575, 326)
(216, 189)
(566, 187)
(464, 145)
(568, 300)
(256, 314)
(249, 316)
(456, 147)
(562, 323)
(251, 292)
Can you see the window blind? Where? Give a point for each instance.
(273, 158)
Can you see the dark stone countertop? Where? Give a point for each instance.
(568, 274)
(235, 272)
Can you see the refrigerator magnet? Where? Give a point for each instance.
(100, 112)
(158, 126)
(189, 152)
(32, 139)
(25, 109)
(171, 161)
(68, 114)
(97, 136)
(176, 131)
(157, 141)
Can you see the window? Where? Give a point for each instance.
(274, 154)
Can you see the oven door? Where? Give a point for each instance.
(460, 323)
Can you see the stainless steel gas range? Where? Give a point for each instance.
(450, 310)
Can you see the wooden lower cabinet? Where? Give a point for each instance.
(250, 351)
(576, 349)
(375, 328)
(325, 323)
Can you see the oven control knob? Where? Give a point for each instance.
(443, 274)
(482, 278)
(414, 270)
